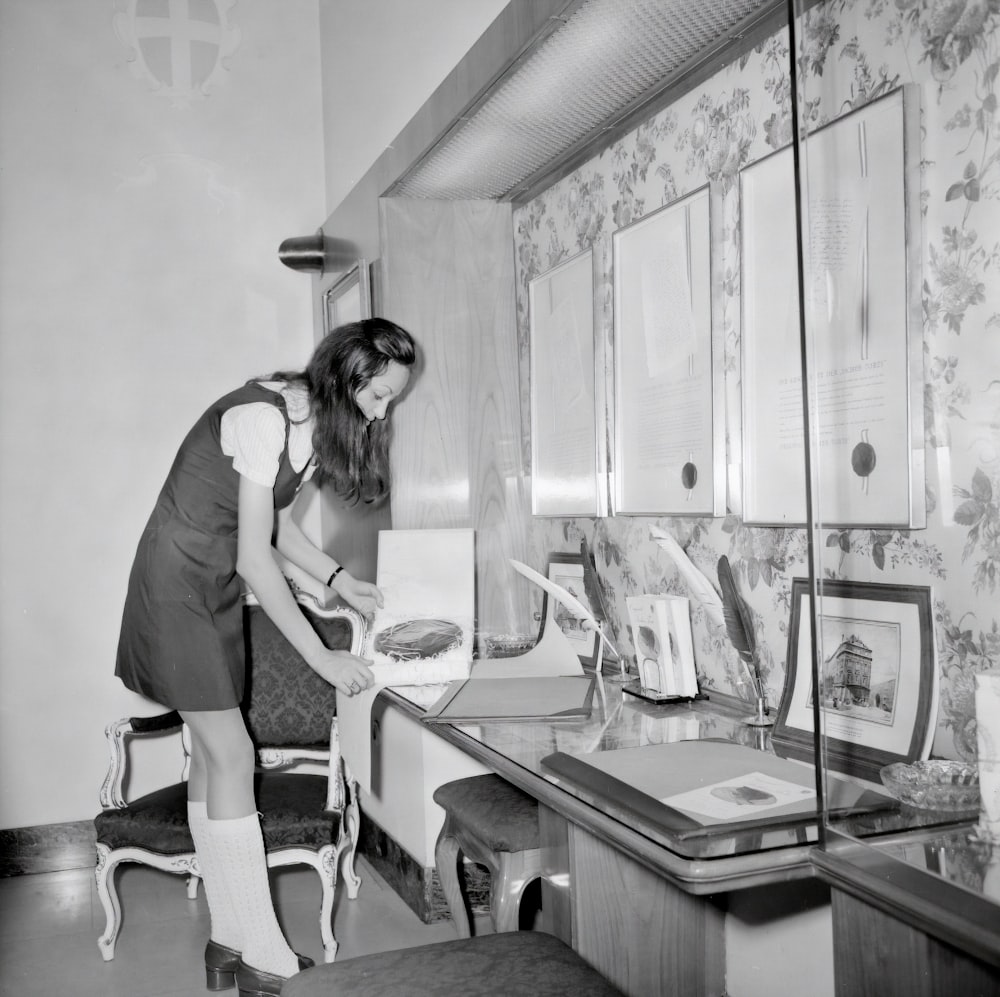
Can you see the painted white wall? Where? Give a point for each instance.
(420, 761)
(139, 279)
(381, 60)
(779, 940)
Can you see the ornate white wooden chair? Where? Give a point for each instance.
(306, 818)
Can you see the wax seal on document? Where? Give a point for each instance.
(689, 474)
(863, 459)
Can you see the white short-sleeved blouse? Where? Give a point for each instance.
(254, 435)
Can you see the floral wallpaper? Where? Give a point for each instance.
(851, 52)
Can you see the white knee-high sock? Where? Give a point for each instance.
(225, 923)
(238, 847)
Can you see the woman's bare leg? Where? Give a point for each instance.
(222, 763)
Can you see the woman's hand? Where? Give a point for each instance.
(347, 672)
(363, 596)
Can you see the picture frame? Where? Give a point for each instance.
(861, 229)
(567, 570)
(878, 677)
(349, 298)
(568, 459)
(669, 424)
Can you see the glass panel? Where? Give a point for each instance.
(897, 172)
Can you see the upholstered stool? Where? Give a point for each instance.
(515, 964)
(494, 824)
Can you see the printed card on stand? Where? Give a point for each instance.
(678, 611)
(661, 632)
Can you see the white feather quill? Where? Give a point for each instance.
(696, 581)
(577, 608)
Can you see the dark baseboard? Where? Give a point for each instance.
(47, 848)
(418, 887)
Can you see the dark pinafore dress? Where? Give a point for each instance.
(181, 640)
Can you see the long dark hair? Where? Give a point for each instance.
(352, 454)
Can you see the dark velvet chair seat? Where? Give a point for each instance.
(292, 809)
(512, 964)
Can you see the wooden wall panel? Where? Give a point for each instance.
(448, 277)
(876, 955)
(350, 533)
(680, 948)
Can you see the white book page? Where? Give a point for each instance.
(424, 632)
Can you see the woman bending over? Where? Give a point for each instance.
(211, 531)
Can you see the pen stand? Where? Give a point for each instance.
(759, 718)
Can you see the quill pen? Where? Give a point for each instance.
(738, 625)
(592, 586)
(695, 580)
(577, 608)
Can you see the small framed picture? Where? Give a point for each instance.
(878, 680)
(566, 570)
(349, 299)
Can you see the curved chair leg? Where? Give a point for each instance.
(107, 891)
(446, 857)
(108, 860)
(515, 870)
(327, 869)
(352, 827)
(326, 862)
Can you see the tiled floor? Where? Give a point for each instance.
(50, 922)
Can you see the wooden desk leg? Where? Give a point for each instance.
(644, 934)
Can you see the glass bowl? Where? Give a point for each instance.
(934, 785)
(508, 645)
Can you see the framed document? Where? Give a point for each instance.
(669, 432)
(350, 298)
(878, 686)
(863, 325)
(567, 462)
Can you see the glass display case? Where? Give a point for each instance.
(898, 221)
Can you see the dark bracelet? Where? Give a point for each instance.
(337, 571)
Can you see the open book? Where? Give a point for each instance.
(425, 631)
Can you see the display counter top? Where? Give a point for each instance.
(721, 855)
